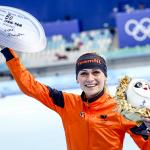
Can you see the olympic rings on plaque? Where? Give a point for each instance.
(139, 30)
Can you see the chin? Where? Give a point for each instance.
(92, 94)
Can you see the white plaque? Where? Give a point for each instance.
(21, 31)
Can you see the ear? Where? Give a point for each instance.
(77, 80)
(105, 79)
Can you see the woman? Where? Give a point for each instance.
(91, 120)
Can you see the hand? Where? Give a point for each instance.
(141, 130)
(146, 122)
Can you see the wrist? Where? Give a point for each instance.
(7, 53)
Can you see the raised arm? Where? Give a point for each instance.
(26, 82)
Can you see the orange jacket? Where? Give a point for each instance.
(88, 126)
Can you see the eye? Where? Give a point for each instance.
(96, 72)
(83, 73)
(138, 85)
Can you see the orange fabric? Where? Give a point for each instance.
(94, 126)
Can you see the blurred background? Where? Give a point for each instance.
(119, 30)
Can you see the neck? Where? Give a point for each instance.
(91, 99)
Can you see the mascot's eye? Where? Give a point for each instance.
(138, 85)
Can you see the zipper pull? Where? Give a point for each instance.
(82, 114)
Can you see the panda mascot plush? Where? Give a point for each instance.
(133, 98)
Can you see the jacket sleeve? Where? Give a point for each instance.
(143, 142)
(26, 82)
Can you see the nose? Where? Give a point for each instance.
(90, 77)
(146, 87)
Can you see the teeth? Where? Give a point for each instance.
(90, 85)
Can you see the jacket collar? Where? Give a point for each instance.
(83, 96)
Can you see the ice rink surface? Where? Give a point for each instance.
(26, 124)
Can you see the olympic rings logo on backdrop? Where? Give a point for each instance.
(139, 30)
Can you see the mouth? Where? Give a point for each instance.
(90, 85)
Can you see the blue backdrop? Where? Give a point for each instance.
(92, 14)
(134, 28)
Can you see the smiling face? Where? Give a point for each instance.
(138, 93)
(91, 81)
